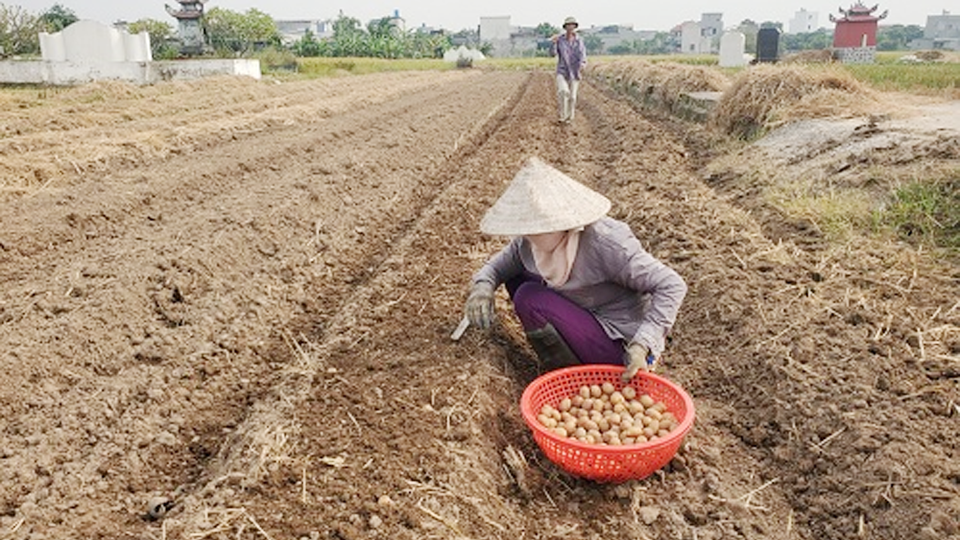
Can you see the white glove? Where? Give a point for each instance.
(638, 357)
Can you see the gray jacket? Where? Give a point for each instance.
(634, 296)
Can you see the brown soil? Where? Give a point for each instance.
(254, 324)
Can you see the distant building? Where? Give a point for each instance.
(496, 31)
(506, 39)
(690, 39)
(804, 22)
(615, 36)
(293, 31)
(702, 37)
(855, 35)
(711, 28)
(398, 23)
(941, 32)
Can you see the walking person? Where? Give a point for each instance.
(571, 58)
(582, 286)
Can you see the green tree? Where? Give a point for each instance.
(661, 43)
(546, 30)
(381, 28)
(807, 41)
(749, 29)
(897, 37)
(18, 31)
(57, 18)
(593, 44)
(161, 36)
(348, 37)
(308, 45)
(240, 33)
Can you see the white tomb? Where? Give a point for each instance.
(732, 46)
(454, 55)
(88, 51)
(90, 41)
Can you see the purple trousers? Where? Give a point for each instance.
(536, 305)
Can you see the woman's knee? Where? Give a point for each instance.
(528, 304)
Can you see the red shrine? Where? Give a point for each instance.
(857, 28)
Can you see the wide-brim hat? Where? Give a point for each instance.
(541, 199)
(571, 20)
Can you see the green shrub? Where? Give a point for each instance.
(274, 59)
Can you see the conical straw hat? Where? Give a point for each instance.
(541, 199)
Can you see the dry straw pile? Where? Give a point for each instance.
(766, 96)
(660, 84)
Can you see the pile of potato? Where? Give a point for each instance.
(600, 414)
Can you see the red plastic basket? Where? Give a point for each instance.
(598, 462)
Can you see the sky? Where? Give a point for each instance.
(457, 15)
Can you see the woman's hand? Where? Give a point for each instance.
(638, 358)
(479, 308)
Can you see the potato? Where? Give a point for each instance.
(601, 414)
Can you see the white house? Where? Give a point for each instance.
(497, 31)
(804, 22)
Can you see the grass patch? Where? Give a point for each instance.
(925, 212)
(940, 78)
(331, 67)
(838, 213)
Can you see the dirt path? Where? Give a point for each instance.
(258, 329)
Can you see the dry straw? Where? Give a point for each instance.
(766, 96)
(660, 84)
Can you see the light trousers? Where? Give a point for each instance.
(567, 97)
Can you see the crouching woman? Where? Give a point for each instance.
(582, 286)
